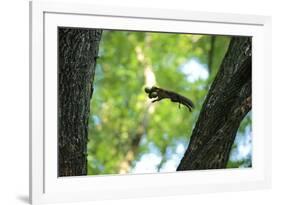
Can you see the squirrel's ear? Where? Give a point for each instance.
(154, 88)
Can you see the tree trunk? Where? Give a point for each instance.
(228, 101)
(78, 51)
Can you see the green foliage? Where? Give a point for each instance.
(124, 125)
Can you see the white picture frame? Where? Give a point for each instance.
(46, 187)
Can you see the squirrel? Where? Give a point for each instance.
(159, 93)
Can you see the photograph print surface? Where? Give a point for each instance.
(135, 102)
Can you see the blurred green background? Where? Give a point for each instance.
(129, 134)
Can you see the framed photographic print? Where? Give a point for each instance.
(130, 102)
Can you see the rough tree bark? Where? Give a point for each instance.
(78, 51)
(225, 106)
